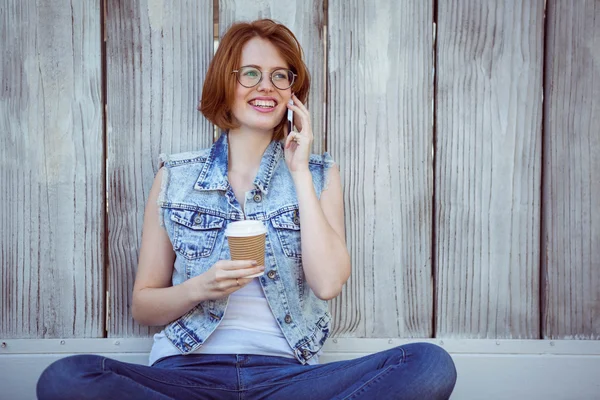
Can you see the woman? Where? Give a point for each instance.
(229, 335)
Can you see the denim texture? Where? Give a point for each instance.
(413, 371)
(197, 203)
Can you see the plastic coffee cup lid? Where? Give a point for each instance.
(245, 228)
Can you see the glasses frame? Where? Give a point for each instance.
(237, 75)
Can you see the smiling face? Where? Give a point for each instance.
(262, 107)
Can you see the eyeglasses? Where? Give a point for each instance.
(251, 76)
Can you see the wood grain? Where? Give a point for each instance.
(571, 185)
(499, 222)
(380, 90)
(51, 158)
(157, 56)
(488, 160)
(305, 19)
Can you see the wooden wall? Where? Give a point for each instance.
(380, 130)
(467, 133)
(156, 55)
(570, 265)
(488, 168)
(52, 201)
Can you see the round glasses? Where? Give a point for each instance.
(251, 76)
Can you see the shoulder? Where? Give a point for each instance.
(185, 158)
(322, 160)
(320, 167)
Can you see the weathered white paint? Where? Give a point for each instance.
(571, 191)
(487, 369)
(380, 132)
(488, 168)
(157, 56)
(51, 170)
(486, 214)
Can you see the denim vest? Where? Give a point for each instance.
(196, 204)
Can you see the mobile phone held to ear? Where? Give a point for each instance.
(290, 117)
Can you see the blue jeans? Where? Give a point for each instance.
(412, 371)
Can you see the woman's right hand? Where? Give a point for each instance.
(222, 279)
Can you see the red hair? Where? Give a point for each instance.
(219, 85)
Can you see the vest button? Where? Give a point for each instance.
(257, 198)
(288, 319)
(197, 220)
(296, 221)
(306, 354)
(271, 274)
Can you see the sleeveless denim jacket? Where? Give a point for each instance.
(196, 203)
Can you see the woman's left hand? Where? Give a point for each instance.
(298, 144)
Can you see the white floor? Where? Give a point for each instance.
(487, 369)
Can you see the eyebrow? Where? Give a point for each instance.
(260, 68)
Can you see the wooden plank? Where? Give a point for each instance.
(379, 128)
(571, 181)
(157, 55)
(305, 19)
(488, 157)
(51, 202)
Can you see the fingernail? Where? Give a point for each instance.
(254, 263)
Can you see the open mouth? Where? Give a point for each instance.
(266, 104)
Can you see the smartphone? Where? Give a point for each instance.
(290, 117)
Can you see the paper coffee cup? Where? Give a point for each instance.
(247, 241)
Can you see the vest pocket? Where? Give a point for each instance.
(194, 233)
(287, 226)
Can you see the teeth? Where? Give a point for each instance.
(263, 103)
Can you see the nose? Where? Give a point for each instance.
(265, 85)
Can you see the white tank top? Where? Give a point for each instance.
(248, 327)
